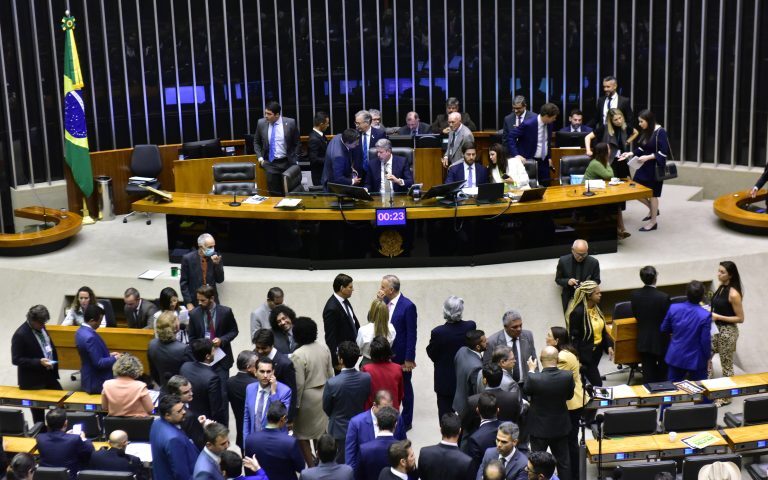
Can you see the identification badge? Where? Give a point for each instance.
(208, 335)
(48, 349)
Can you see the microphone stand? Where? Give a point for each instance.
(234, 202)
(599, 423)
(588, 192)
(583, 427)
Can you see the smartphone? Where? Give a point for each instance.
(505, 176)
(77, 428)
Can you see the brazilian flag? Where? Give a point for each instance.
(76, 151)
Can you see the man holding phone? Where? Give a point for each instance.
(259, 395)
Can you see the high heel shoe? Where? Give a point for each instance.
(647, 229)
(658, 212)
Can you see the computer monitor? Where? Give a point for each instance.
(347, 192)
(428, 140)
(570, 139)
(447, 190)
(202, 149)
(406, 141)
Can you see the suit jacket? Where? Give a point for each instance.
(568, 267)
(456, 140)
(444, 462)
(192, 275)
(26, 353)
(95, 360)
(328, 471)
(456, 173)
(624, 105)
(277, 452)
(344, 397)
(763, 178)
(690, 347)
(400, 169)
(467, 365)
(508, 403)
(523, 139)
(116, 460)
(441, 122)
(584, 129)
(236, 386)
(59, 449)
(285, 373)
(338, 164)
(376, 134)
(386, 474)
(649, 306)
(166, 359)
(206, 468)
(360, 431)
(584, 344)
(282, 343)
(476, 444)
(373, 457)
(445, 340)
(421, 129)
(404, 319)
(209, 394)
(290, 136)
(527, 349)
(226, 330)
(316, 145)
(141, 317)
(510, 124)
(515, 468)
(338, 326)
(173, 453)
(282, 394)
(548, 390)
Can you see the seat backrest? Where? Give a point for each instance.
(104, 475)
(756, 410)
(688, 418)
(146, 161)
(88, 420)
(109, 312)
(629, 421)
(234, 172)
(646, 470)
(694, 463)
(137, 428)
(678, 299)
(292, 180)
(532, 169)
(573, 165)
(51, 473)
(248, 138)
(399, 152)
(622, 310)
(12, 422)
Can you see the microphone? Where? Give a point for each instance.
(45, 225)
(587, 192)
(598, 419)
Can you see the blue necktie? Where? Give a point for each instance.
(470, 180)
(272, 143)
(260, 409)
(365, 151)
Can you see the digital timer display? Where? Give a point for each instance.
(389, 217)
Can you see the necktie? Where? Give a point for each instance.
(470, 180)
(365, 151)
(204, 268)
(41, 337)
(543, 141)
(503, 462)
(387, 183)
(516, 371)
(272, 142)
(291, 343)
(453, 140)
(211, 326)
(348, 308)
(519, 121)
(260, 404)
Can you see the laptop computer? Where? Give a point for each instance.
(489, 192)
(532, 194)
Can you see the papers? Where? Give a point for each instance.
(633, 165)
(605, 393)
(700, 440)
(471, 191)
(139, 180)
(150, 274)
(723, 383)
(141, 450)
(154, 395)
(255, 200)
(288, 203)
(623, 391)
(218, 354)
(596, 184)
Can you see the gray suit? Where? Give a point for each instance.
(467, 364)
(141, 317)
(260, 318)
(276, 168)
(527, 349)
(344, 397)
(455, 141)
(328, 471)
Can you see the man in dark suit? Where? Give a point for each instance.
(34, 353)
(444, 341)
(327, 469)
(512, 459)
(402, 461)
(484, 438)
(519, 114)
(277, 452)
(316, 145)
(259, 396)
(388, 173)
(275, 144)
(200, 267)
(216, 443)
(285, 373)
(114, 458)
(452, 104)
(576, 123)
(413, 126)
(403, 316)
(612, 99)
(344, 395)
(210, 397)
(173, 453)
(473, 174)
(531, 140)
(508, 403)
(339, 165)
(513, 336)
(548, 420)
(575, 268)
(468, 361)
(373, 454)
(369, 135)
(236, 385)
(59, 448)
(445, 461)
(649, 306)
(95, 358)
(217, 323)
(190, 423)
(339, 319)
(140, 313)
(362, 428)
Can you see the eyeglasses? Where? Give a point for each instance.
(580, 254)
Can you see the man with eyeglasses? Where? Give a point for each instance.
(575, 268)
(541, 466)
(173, 453)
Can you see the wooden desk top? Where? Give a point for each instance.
(746, 434)
(730, 207)
(642, 443)
(19, 445)
(739, 381)
(126, 338)
(63, 228)
(663, 443)
(83, 398)
(51, 396)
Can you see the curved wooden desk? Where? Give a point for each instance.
(67, 224)
(731, 209)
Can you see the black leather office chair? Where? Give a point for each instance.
(398, 152)
(89, 421)
(645, 470)
(248, 140)
(109, 312)
(51, 473)
(622, 310)
(292, 180)
(12, 423)
(532, 169)
(689, 418)
(145, 162)
(755, 412)
(137, 428)
(694, 463)
(573, 165)
(620, 422)
(234, 178)
(104, 475)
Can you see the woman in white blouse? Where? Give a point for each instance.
(83, 298)
(507, 170)
(378, 324)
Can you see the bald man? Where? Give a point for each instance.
(458, 136)
(575, 268)
(114, 459)
(548, 419)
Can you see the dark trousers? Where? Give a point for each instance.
(340, 444)
(223, 374)
(573, 443)
(407, 415)
(38, 414)
(543, 171)
(591, 361)
(274, 171)
(559, 448)
(444, 405)
(654, 367)
(675, 374)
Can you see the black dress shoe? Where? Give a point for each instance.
(658, 212)
(645, 229)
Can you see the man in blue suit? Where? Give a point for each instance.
(260, 395)
(362, 428)
(173, 453)
(402, 315)
(338, 167)
(277, 452)
(514, 461)
(388, 171)
(345, 394)
(327, 469)
(369, 135)
(61, 449)
(285, 372)
(374, 454)
(95, 358)
(216, 442)
(532, 139)
(473, 174)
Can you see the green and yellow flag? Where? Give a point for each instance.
(76, 151)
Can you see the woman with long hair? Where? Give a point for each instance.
(618, 135)
(22, 467)
(169, 302)
(727, 313)
(83, 298)
(599, 169)
(586, 326)
(378, 325)
(509, 171)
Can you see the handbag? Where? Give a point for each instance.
(668, 171)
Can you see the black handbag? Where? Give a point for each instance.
(668, 171)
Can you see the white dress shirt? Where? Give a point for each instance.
(280, 150)
(541, 139)
(610, 102)
(470, 174)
